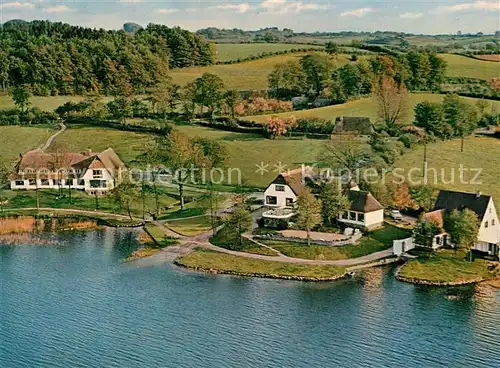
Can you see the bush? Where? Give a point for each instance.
(314, 125)
(408, 140)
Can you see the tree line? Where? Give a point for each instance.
(316, 75)
(61, 59)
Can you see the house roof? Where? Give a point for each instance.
(449, 201)
(294, 179)
(436, 216)
(37, 160)
(354, 124)
(363, 201)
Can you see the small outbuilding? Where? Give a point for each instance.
(353, 125)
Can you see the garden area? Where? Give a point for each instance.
(447, 267)
(374, 241)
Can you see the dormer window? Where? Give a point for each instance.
(280, 188)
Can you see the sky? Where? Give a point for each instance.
(417, 16)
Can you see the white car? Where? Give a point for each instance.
(396, 215)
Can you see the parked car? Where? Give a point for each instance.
(396, 215)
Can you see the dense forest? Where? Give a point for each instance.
(57, 58)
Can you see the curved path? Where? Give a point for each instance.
(47, 144)
(187, 245)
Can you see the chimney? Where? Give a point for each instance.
(478, 194)
(87, 152)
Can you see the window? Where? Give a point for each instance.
(271, 200)
(493, 222)
(486, 224)
(98, 184)
(289, 202)
(361, 217)
(352, 216)
(19, 182)
(81, 182)
(45, 182)
(97, 174)
(280, 188)
(32, 182)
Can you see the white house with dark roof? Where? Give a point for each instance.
(488, 238)
(96, 174)
(365, 212)
(281, 195)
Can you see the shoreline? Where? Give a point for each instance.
(416, 281)
(260, 275)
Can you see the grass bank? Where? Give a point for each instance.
(376, 241)
(160, 238)
(228, 239)
(446, 267)
(214, 262)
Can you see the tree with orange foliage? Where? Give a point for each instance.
(495, 83)
(401, 197)
(277, 126)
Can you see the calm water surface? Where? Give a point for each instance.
(78, 305)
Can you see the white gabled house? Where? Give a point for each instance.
(281, 195)
(365, 212)
(96, 174)
(488, 238)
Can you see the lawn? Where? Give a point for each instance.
(128, 145)
(376, 241)
(462, 66)
(446, 266)
(225, 263)
(249, 75)
(16, 140)
(48, 103)
(80, 200)
(445, 159)
(191, 226)
(246, 151)
(226, 238)
(159, 236)
(234, 51)
(363, 107)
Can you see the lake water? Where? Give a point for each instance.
(77, 304)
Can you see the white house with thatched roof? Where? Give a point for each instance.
(96, 174)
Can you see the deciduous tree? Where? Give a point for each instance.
(463, 228)
(317, 68)
(334, 201)
(241, 221)
(309, 213)
(392, 100)
(425, 232)
(21, 95)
